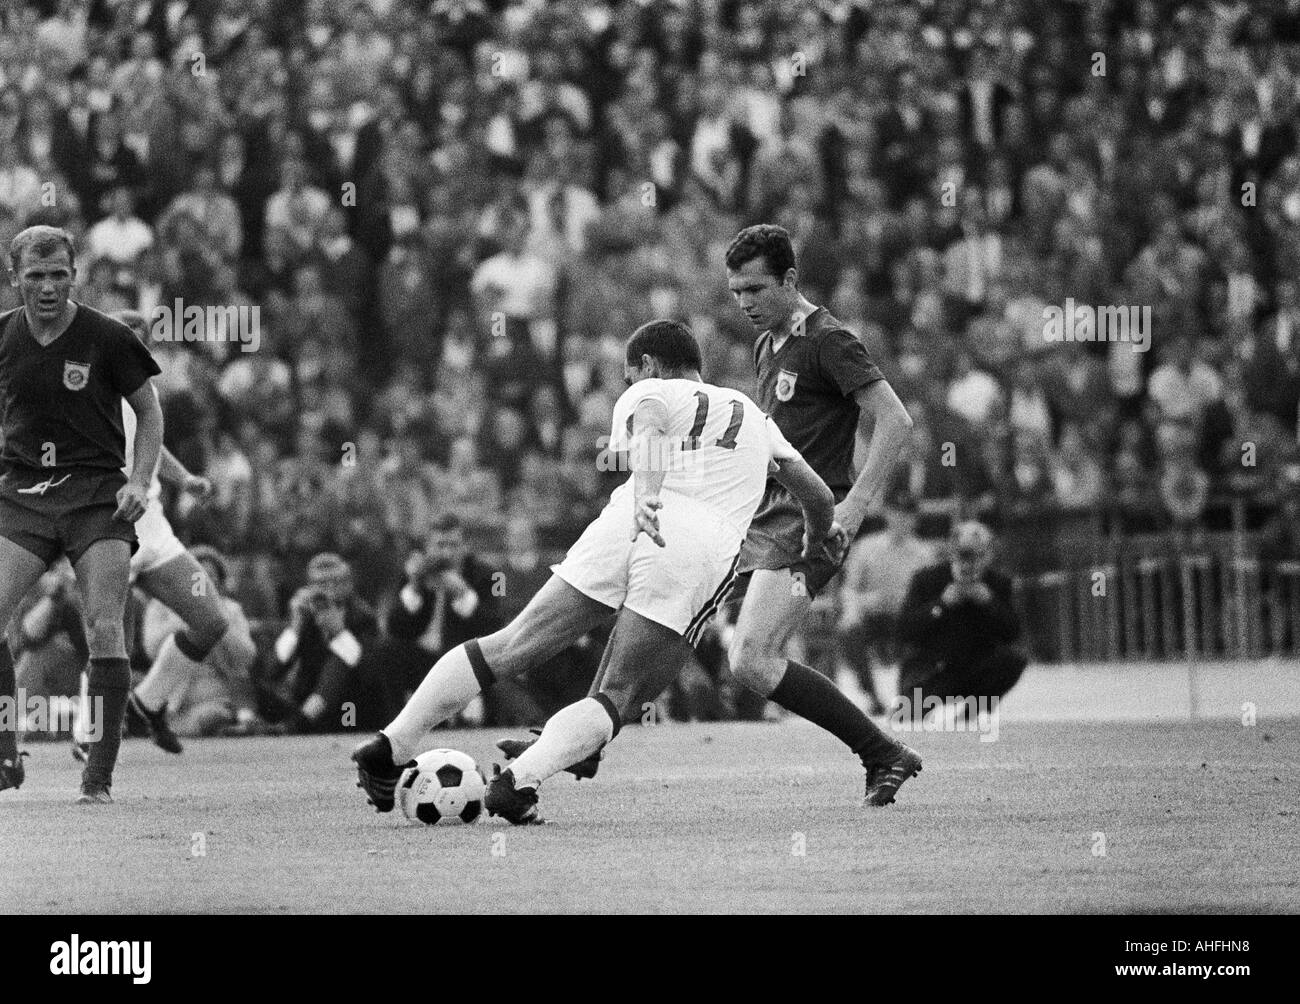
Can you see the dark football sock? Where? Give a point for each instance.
(810, 695)
(8, 690)
(110, 683)
(190, 648)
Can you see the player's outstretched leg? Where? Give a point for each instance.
(554, 618)
(774, 604)
(181, 656)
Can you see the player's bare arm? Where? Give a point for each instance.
(649, 448)
(133, 497)
(892, 429)
(172, 472)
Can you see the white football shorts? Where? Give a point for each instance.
(680, 585)
(158, 542)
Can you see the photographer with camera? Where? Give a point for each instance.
(959, 624)
(447, 599)
(322, 655)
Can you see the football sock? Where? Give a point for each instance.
(8, 688)
(572, 734)
(810, 695)
(455, 680)
(110, 682)
(82, 723)
(178, 660)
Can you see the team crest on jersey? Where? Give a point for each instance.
(785, 382)
(75, 375)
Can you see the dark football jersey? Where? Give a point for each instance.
(807, 386)
(69, 393)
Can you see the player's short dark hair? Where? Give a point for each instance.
(671, 342)
(765, 240)
(42, 241)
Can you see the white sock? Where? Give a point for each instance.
(81, 722)
(573, 733)
(445, 690)
(170, 670)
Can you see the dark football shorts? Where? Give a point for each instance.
(775, 540)
(51, 513)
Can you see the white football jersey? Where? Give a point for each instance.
(128, 424)
(721, 445)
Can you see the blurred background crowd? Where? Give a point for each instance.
(452, 213)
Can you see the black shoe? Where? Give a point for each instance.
(161, 733)
(884, 779)
(517, 806)
(377, 774)
(12, 773)
(94, 793)
(514, 749)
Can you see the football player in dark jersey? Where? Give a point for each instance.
(816, 380)
(64, 372)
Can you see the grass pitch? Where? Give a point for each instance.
(1053, 817)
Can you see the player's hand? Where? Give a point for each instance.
(132, 500)
(848, 522)
(645, 519)
(979, 592)
(951, 595)
(197, 485)
(833, 547)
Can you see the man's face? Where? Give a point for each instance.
(767, 301)
(45, 283)
(445, 547)
(332, 590)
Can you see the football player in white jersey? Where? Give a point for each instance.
(662, 554)
(165, 569)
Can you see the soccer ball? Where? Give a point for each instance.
(442, 786)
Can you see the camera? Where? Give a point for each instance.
(319, 600)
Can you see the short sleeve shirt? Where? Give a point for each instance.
(807, 387)
(63, 401)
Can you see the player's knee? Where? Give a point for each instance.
(746, 652)
(104, 633)
(508, 651)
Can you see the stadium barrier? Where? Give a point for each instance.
(1162, 596)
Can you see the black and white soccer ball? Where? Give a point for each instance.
(443, 786)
